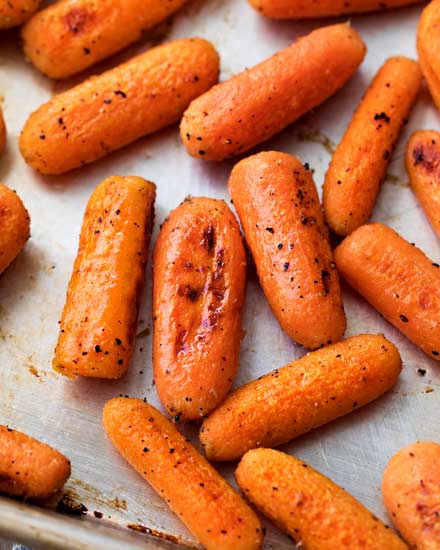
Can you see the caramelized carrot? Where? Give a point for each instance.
(98, 324)
(254, 105)
(360, 162)
(411, 491)
(397, 279)
(71, 35)
(308, 506)
(109, 111)
(2, 131)
(308, 393)
(15, 12)
(428, 43)
(29, 468)
(278, 206)
(199, 290)
(203, 500)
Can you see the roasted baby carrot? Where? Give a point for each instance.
(428, 43)
(71, 35)
(254, 105)
(198, 295)
(397, 279)
(312, 509)
(2, 131)
(360, 162)
(29, 468)
(216, 515)
(98, 324)
(312, 391)
(411, 491)
(106, 112)
(423, 167)
(15, 12)
(278, 206)
(14, 226)
(306, 9)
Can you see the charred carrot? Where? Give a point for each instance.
(428, 43)
(98, 324)
(109, 111)
(310, 507)
(2, 131)
(411, 491)
(360, 162)
(423, 166)
(278, 206)
(312, 391)
(14, 226)
(254, 105)
(203, 500)
(71, 35)
(198, 295)
(29, 468)
(397, 279)
(15, 12)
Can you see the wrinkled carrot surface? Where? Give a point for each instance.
(278, 206)
(14, 226)
(397, 279)
(254, 105)
(360, 162)
(98, 324)
(108, 111)
(312, 391)
(310, 507)
(423, 166)
(411, 491)
(199, 289)
(29, 468)
(71, 35)
(216, 515)
(15, 12)
(3, 131)
(428, 43)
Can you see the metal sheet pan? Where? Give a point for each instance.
(352, 451)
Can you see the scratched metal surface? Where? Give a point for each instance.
(352, 451)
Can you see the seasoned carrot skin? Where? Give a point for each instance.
(423, 167)
(98, 324)
(15, 12)
(14, 226)
(305, 394)
(305, 9)
(310, 507)
(428, 40)
(359, 165)
(411, 492)
(397, 279)
(216, 515)
(3, 132)
(109, 111)
(29, 468)
(71, 35)
(198, 296)
(251, 107)
(278, 206)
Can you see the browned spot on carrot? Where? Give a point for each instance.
(76, 20)
(188, 291)
(180, 344)
(428, 157)
(208, 240)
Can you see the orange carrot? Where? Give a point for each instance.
(15, 12)
(98, 324)
(254, 105)
(216, 515)
(397, 279)
(360, 162)
(428, 43)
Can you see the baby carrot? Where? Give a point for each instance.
(411, 491)
(423, 166)
(216, 515)
(29, 468)
(98, 324)
(14, 226)
(254, 105)
(278, 206)
(310, 507)
(106, 112)
(71, 35)
(360, 162)
(15, 12)
(305, 9)
(397, 279)
(428, 44)
(312, 391)
(198, 295)
(2, 131)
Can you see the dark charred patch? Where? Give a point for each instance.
(426, 156)
(68, 506)
(76, 20)
(189, 292)
(326, 281)
(180, 342)
(208, 240)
